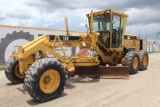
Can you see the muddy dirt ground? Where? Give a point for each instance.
(140, 90)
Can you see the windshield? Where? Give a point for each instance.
(102, 22)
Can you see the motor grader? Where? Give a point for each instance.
(115, 55)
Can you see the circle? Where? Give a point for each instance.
(145, 60)
(49, 81)
(135, 62)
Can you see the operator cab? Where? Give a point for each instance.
(110, 25)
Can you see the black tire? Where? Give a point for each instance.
(11, 70)
(143, 55)
(129, 61)
(35, 74)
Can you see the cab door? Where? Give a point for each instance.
(117, 30)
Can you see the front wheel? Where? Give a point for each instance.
(45, 79)
(12, 71)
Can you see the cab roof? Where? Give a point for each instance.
(127, 34)
(109, 11)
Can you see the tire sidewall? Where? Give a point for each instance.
(10, 71)
(147, 60)
(129, 61)
(142, 65)
(34, 74)
(132, 69)
(13, 72)
(41, 71)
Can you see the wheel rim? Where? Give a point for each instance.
(17, 72)
(49, 81)
(135, 62)
(145, 60)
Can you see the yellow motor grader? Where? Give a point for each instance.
(115, 55)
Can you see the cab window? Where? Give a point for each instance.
(117, 30)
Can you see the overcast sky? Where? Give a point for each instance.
(144, 15)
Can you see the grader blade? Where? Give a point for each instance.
(104, 71)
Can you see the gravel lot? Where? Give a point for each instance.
(140, 90)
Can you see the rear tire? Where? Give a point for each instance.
(132, 60)
(12, 71)
(143, 58)
(45, 79)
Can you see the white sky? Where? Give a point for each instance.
(144, 15)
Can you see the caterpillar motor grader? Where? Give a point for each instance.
(44, 77)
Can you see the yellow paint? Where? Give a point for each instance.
(17, 72)
(135, 62)
(132, 43)
(49, 81)
(27, 53)
(145, 60)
